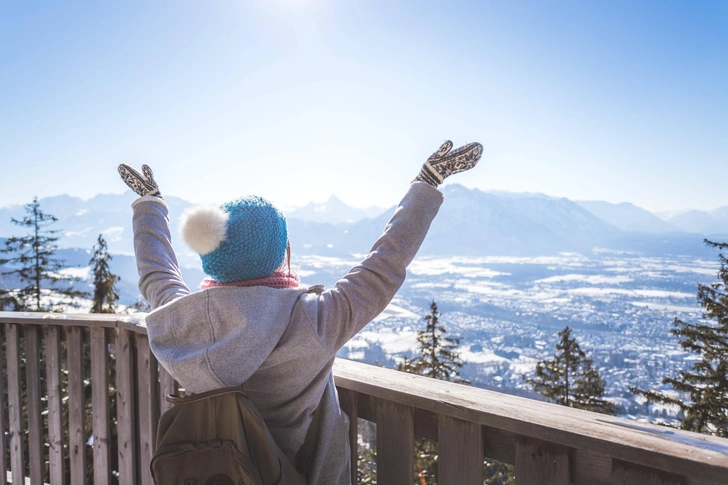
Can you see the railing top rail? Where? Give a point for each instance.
(668, 449)
(134, 323)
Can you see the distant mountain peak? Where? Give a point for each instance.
(628, 217)
(333, 211)
(702, 222)
(334, 200)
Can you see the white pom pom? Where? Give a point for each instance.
(203, 228)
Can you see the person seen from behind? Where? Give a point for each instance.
(253, 324)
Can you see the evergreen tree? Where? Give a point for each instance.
(35, 265)
(437, 354)
(7, 300)
(141, 305)
(437, 357)
(706, 383)
(366, 472)
(570, 379)
(105, 293)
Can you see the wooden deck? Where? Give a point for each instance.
(50, 360)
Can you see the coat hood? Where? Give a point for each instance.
(198, 336)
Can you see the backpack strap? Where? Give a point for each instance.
(303, 460)
(174, 399)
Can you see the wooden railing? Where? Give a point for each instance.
(103, 353)
(52, 362)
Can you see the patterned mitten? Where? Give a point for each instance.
(141, 183)
(444, 162)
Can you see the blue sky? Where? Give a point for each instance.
(297, 99)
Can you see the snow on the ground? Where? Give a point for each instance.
(392, 342)
(393, 310)
(667, 308)
(435, 267)
(626, 292)
(83, 273)
(482, 357)
(591, 279)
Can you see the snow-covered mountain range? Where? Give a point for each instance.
(471, 223)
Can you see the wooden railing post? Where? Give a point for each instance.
(100, 405)
(460, 452)
(3, 422)
(350, 406)
(147, 392)
(32, 383)
(541, 462)
(55, 410)
(15, 404)
(76, 405)
(395, 443)
(125, 407)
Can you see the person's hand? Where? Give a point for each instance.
(141, 183)
(445, 162)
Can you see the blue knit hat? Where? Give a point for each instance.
(244, 239)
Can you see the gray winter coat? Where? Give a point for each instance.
(281, 343)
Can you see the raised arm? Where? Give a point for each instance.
(369, 287)
(160, 279)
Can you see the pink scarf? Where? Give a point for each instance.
(279, 279)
